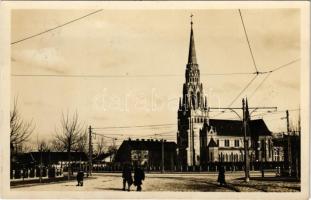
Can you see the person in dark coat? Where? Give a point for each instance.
(221, 175)
(127, 176)
(80, 176)
(139, 176)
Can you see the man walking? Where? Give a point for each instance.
(139, 176)
(127, 176)
(80, 176)
(221, 175)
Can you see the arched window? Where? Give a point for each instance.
(198, 97)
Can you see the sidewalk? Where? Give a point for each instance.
(36, 181)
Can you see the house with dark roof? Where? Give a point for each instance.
(147, 153)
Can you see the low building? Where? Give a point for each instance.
(58, 161)
(147, 153)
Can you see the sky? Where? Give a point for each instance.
(136, 60)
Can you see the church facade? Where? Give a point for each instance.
(201, 140)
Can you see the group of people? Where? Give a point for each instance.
(139, 176)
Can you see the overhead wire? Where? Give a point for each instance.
(135, 126)
(249, 45)
(119, 76)
(56, 27)
(251, 95)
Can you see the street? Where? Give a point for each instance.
(174, 182)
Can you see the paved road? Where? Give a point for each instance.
(154, 182)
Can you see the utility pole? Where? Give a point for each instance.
(90, 151)
(162, 141)
(289, 149)
(245, 129)
(298, 153)
(40, 169)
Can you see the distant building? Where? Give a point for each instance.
(202, 140)
(147, 153)
(287, 150)
(278, 149)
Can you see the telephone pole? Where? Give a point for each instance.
(90, 151)
(289, 149)
(162, 150)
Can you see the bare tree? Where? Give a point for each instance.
(43, 146)
(70, 135)
(112, 150)
(57, 145)
(82, 144)
(100, 148)
(20, 129)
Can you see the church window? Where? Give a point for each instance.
(236, 143)
(217, 142)
(227, 143)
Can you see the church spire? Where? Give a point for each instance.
(192, 59)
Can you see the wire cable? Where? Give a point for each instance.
(267, 76)
(248, 84)
(56, 27)
(147, 75)
(122, 127)
(119, 76)
(249, 46)
(285, 65)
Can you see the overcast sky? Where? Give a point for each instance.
(143, 55)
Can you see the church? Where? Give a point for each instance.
(201, 140)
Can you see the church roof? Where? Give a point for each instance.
(212, 143)
(192, 58)
(234, 127)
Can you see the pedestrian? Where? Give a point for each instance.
(127, 176)
(221, 175)
(139, 176)
(80, 176)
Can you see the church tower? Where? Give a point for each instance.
(192, 111)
